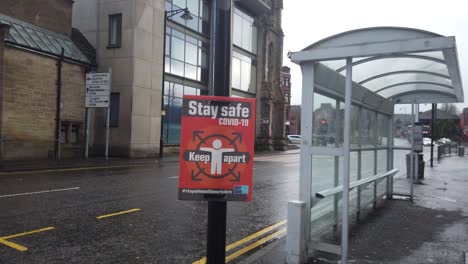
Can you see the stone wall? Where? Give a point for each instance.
(54, 15)
(29, 99)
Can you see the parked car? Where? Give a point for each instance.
(427, 141)
(442, 141)
(294, 139)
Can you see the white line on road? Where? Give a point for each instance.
(291, 165)
(174, 177)
(48, 191)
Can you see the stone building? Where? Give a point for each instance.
(129, 39)
(32, 37)
(295, 125)
(286, 89)
(464, 125)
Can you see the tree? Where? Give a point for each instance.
(449, 108)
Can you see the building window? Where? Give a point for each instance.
(200, 11)
(114, 110)
(69, 132)
(244, 72)
(244, 31)
(186, 56)
(115, 31)
(173, 93)
(74, 133)
(63, 133)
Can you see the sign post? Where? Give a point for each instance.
(216, 159)
(98, 87)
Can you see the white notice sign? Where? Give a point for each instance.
(97, 90)
(418, 138)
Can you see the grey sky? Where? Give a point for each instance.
(307, 21)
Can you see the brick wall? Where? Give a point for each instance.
(54, 15)
(29, 96)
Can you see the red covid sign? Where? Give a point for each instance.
(217, 147)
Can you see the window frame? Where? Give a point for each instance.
(117, 18)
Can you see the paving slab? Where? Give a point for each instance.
(431, 229)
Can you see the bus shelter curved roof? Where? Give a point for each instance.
(404, 65)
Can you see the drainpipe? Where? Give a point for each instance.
(57, 110)
(4, 29)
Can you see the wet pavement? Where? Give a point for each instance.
(102, 212)
(432, 229)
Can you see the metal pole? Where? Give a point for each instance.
(337, 165)
(374, 204)
(220, 86)
(390, 135)
(433, 134)
(163, 112)
(346, 147)
(108, 115)
(87, 133)
(359, 168)
(412, 153)
(416, 154)
(58, 104)
(306, 172)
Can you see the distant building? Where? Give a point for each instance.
(286, 89)
(451, 121)
(32, 36)
(464, 125)
(295, 119)
(401, 123)
(129, 38)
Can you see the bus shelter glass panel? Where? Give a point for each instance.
(355, 140)
(367, 170)
(327, 130)
(382, 168)
(326, 212)
(324, 176)
(402, 124)
(382, 130)
(402, 120)
(368, 128)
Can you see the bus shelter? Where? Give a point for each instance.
(351, 153)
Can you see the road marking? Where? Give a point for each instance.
(13, 245)
(174, 177)
(3, 240)
(247, 239)
(292, 164)
(255, 245)
(119, 213)
(75, 169)
(254, 235)
(48, 191)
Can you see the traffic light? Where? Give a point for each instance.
(323, 126)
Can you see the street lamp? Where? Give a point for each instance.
(168, 14)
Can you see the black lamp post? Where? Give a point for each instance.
(168, 14)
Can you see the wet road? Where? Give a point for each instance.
(131, 215)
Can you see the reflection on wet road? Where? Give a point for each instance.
(131, 214)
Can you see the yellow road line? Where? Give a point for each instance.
(119, 213)
(200, 261)
(74, 169)
(13, 245)
(254, 245)
(254, 235)
(246, 239)
(28, 233)
(3, 240)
